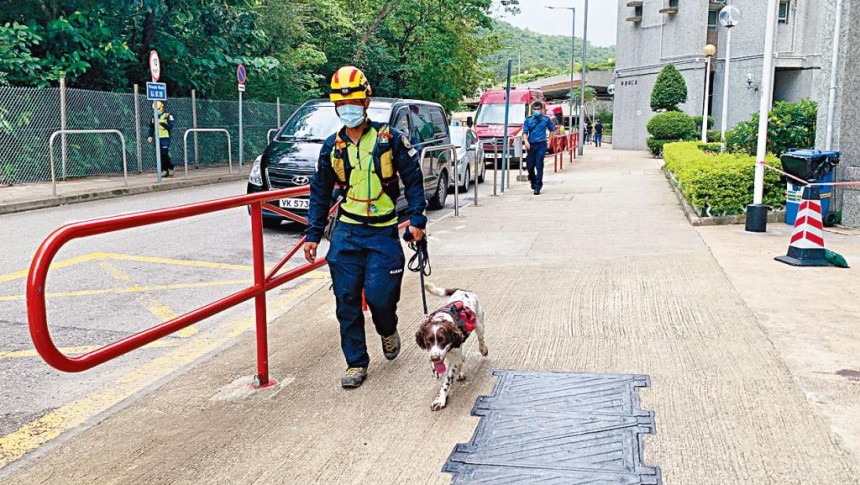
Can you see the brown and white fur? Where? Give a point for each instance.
(443, 340)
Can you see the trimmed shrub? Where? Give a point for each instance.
(698, 120)
(672, 125)
(655, 146)
(790, 125)
(720, 184)
(669, 91)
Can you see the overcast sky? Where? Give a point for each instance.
(602, 16)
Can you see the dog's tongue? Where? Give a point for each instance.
(439, 367)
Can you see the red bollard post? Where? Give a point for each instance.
(261, 380)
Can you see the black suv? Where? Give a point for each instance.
(290, 160)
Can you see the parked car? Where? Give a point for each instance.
(466, 142)
(290, 160)
(490, 121)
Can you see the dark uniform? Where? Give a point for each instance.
(365, 252)
(536, 127)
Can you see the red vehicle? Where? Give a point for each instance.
(490, 120)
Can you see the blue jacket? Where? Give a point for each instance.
(535, 127)
(408, 167)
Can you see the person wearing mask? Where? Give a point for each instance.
(367, 161)
(535, 130)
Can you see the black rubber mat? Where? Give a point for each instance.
(552, 427)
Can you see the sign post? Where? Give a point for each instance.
(154, 94)
(241, 76)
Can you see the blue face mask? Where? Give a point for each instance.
(351, 115)
(537, 114)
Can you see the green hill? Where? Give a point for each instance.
(541, 55)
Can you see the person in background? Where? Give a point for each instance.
(165, 128)
(535, 130)
(598, 133)
(589, 128)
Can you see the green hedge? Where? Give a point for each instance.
(672, 125)
(722, 182)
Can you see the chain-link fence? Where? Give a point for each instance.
(28, 117)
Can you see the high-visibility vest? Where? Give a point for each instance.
(368, 178)
(162, 129)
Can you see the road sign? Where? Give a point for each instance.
(156, 91)
(154, 65)
(241, 88)
(241, 74)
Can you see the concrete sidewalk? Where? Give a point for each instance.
(600, 274)
(19, 198)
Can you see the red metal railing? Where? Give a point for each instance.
(36, 308)
(561, 142)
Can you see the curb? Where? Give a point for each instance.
(695, 220)
(80, 197)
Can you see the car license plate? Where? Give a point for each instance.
(295, 203)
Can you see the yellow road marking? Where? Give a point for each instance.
(71, 415)
(144, 259)
(156, 307)
(133, 289)
(56, 265)
(20, 354)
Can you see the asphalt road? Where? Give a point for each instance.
(116, 284)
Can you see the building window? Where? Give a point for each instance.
(673, 3)
(637, 11)
(713, 19)
(783, 12)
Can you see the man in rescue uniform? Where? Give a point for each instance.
(165, 128)
(365, 160)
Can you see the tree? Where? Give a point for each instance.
(669, 91)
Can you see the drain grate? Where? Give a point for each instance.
(557, 427)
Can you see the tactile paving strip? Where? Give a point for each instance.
(553, 427)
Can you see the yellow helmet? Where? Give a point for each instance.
(349, 82)
(159, 105)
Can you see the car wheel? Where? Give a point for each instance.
(465, 186)
(438, 200)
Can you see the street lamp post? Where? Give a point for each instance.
(729, 17)
(756, 220)
(582, 81)
(572, 60)
(709, 52)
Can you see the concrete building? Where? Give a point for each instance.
(653, 33)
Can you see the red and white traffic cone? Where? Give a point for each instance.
(807, 240)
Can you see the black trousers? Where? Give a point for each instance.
(166, 164)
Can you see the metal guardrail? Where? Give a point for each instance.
(453, 151)
(206, 130)
(83, 132)
(263, 282)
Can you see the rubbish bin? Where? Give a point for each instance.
(812, 166)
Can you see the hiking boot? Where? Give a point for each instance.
(391, 346)
(353, 377)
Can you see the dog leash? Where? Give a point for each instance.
(419, 262)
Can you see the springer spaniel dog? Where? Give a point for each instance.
(445, 331)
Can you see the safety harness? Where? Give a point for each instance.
(383, 167)
(463, 317)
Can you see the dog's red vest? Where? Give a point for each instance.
(464, 317)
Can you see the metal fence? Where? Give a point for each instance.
(28, 116)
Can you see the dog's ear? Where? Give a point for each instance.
(419, 337)
(456, 336)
